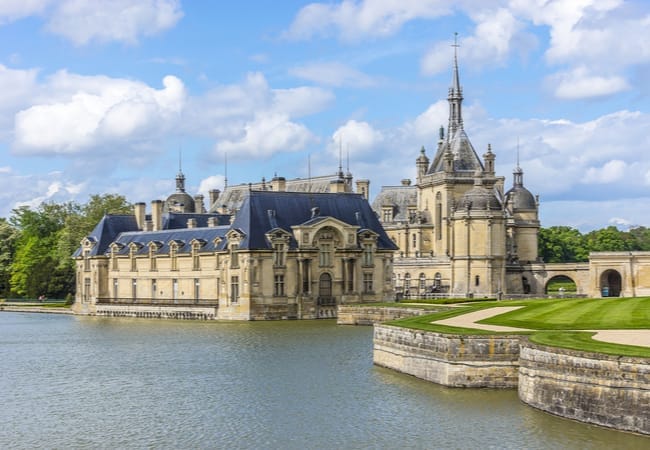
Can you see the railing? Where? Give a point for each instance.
(159, 301)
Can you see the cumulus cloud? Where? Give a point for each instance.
(84, 21)
(86, 113)
(353, 20)
(333, 74)
(357, 138)
(579, 83)
(610, 172)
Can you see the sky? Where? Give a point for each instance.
(102, 96)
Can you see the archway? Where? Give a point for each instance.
(610, 283)
(561, 286)
(325, 296)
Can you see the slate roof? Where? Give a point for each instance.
(261, 211)
(399, 197)
(295, 208)
(465, 157)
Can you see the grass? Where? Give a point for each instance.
(555, 322)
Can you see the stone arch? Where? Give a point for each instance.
(610, 283)
(568, 286)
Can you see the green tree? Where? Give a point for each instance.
(609, 239)
(562, 244)
(8, 238)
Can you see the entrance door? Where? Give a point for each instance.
(610, 283)
(325, 290)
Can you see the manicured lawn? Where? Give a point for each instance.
(555, 322)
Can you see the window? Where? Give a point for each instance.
(152, 258)
(367, 283)
(325, 255)
(196, 261)
(387, 215)
(154, 289)
(437, 280)
(368, 258)
(134, 288)
(86, 291)
(173, 255)
(477, 280)
(415, 241)
(407, 283)
(197, 289)
(174, 289)
(278, 290)
(234, 289)
(134, 266)
(113, 259)
(234, 256)
(86, 260)
(305, 276)
(438, 216)
(278, 255)
(423, 282)
(349, 279)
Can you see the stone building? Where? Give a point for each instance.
(276, 255)
(458, 233)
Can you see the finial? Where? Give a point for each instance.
(517, 151)
(442, 132)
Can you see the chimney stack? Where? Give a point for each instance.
(140, 208)
(278, 184)
(191, 223)
(214, 196)
(156, 214)
(363, 188)
(337, 186)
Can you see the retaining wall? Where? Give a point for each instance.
(590, 387)
(368, 315)
(158, 312)
(458, 361)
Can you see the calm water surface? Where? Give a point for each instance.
(76, 382)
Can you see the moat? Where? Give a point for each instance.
(82, 382)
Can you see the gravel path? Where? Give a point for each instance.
(625, 337)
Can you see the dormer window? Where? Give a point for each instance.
(234, 256)
(173, 255)
(86, 256)
(387, 214)
(279, 255)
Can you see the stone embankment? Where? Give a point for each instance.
(611, 391)
(458, 361)
(368, 315)
(34, 309)
(604, 390)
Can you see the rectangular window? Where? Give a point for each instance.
(86, 260)
(174, 257)
(278, 255)
(234, 256)
(349, 279)
(114, 260)
(197, 289)
(154, 289)
(278, 290)
(234, 289)
(174, 289)
(196, 262)
(388, 215)
(134, 266)
(367, 283)
(305, 276)
(368, 257)
(325, 255)
(134, 288)
(115, 288)
(86, 292)
(438, 221)
(152, 261)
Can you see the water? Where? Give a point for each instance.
(78, 382)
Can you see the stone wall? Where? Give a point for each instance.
(368, 315)
(605, 390)
(458, 361)
(158, 312)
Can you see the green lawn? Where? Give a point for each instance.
(556, 322)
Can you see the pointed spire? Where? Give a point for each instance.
(518, 173)
(225, 164)
(180, 178)
(455, 97)
(340, 172)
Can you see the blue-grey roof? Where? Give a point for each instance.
(182, 237)
(107, 230)
(179, 220)
(295, 208)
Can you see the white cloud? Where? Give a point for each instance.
(85, 113)
(610, 172)
(579, 83)
(358, 138)
(265, 135)
(83, 21)
(354, 20)
(209, 183)
(333, 74)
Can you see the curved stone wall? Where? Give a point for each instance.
(368, 315)
(450, 360)
(604, 390)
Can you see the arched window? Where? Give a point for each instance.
(407, 283)
(423, 282)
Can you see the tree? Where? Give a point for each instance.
(8, 238)
(562, 244)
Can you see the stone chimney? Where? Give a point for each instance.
(279, 184)
(156, 214)
(337, 186)
(363, 188)
(406, 182)
(148, 225)
(214, 196)
(199, 206)
(140, 209)
(213, 222)
(191, 223)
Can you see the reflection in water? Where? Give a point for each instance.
(116, 383)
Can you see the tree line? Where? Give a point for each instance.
(36, 245)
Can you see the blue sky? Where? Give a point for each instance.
(100, 96)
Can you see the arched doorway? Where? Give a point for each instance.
(326, 301)
(610, 283)
(561, 286)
